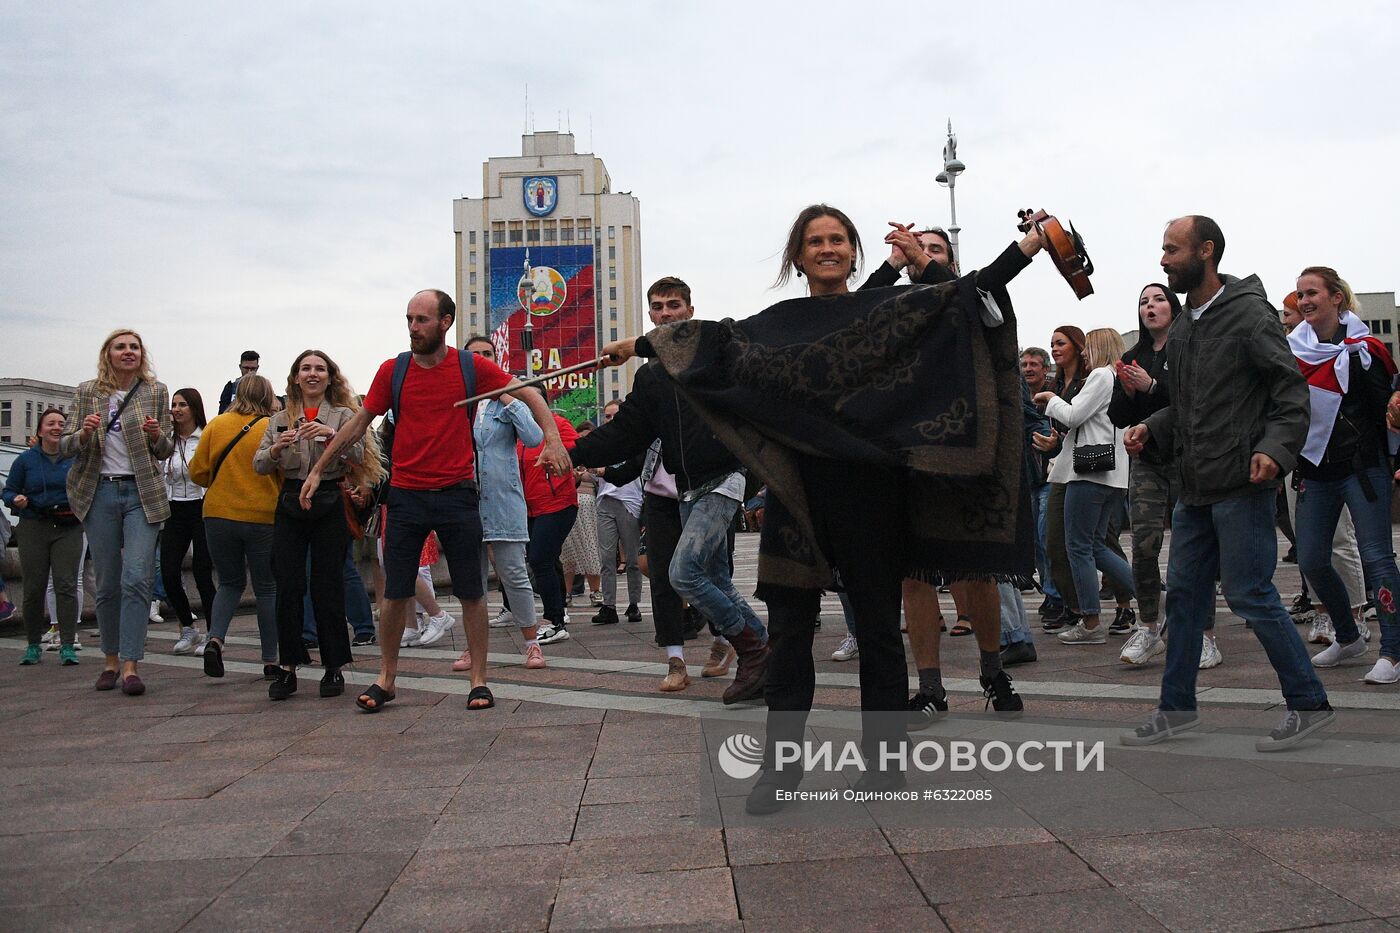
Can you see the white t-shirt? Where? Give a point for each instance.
(629, 494)
(1197, 312)
(116, 459)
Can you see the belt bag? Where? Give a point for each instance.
(1094, 458)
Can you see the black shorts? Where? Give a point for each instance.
(455, 514)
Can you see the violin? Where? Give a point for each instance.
(1066, 249)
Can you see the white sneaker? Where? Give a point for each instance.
(1080, 635)
(1142, 646)
(1210, 653)
(155, 617)
(410, 635)
(189, 640)
(548, 634)
(77, 645)
(596, 597)
(1337, 652)
(1385, 672)
(436, 628)
(849, 649)
(1363, 625)
(1322, 632)
(51, 639)
(199, 649)
(506, 619)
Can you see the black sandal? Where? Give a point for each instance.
(961, 627)
(214, 659)
(480, 693)
(378, 695)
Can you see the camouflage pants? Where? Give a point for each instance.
(1152, 492)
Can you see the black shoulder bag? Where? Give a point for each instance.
(214, 474)
(1094, 458)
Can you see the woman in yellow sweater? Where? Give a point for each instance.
(238, 508)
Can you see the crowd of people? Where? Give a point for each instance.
(1222, 421)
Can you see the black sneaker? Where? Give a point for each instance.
(284, 686)
(1123, 621)
(763, 798)
(310, 644)
(607, 615)
(925, 709)
(271, 671)
(214, 659)
(333, 684)
(633, 614)
(1019, 652)
(1000, 694)
(1056, 624)
(1297, 725)
(1051, 608)
(361, 641)
(875, 782)
(1291, 557)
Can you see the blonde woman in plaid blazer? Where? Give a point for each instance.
(118, 428)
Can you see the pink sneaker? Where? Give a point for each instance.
(534, 658)
(464, 663)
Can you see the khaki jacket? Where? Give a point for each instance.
(298, 459)
(152, 400)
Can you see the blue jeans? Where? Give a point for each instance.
(1014, 627)
(1234, 539)
(1040, 501)
(700, 569)
(1089, 507)
(358, 611)
(1319, 508)
(241, 550)
(123, 546)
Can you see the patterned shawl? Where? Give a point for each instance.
(903, 376)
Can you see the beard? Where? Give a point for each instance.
(425, 345)
(1191, 275)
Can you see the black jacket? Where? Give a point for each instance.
(655, 409)
(1125, 411)
(1235, 391)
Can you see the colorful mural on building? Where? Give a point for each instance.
(559, 294)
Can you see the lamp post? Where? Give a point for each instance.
(952, 168)
(527, 334)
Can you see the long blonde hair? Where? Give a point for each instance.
(1103, 346)
(107, 376)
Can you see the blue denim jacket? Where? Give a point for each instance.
(503, 515)
(34, 475)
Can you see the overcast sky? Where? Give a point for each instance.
(281, 175)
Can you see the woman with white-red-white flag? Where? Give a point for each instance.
(1351, 377)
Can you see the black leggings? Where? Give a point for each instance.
(547, 534)
(858, 512)
(185, 527)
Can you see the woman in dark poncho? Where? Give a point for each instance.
(818, 379)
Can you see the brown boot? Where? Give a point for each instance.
(721, 654)
(676, 677)
(753, 668)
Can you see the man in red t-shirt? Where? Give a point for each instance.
(433, 487)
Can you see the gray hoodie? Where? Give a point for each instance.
(1235, 390)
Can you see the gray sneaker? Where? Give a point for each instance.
(1160, 726)
(1297, 725)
